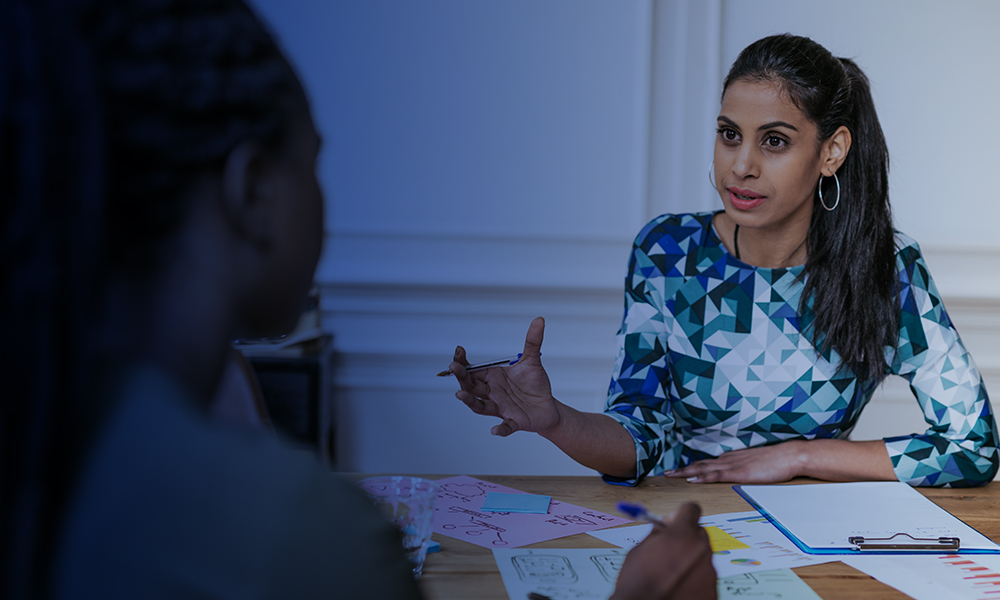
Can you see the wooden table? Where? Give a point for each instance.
(462, 571)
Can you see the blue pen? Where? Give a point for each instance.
(510, 361)
(638, 511)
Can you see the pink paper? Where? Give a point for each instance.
(457, 514)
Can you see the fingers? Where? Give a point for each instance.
(709, 474)
(713, 470)
(533, 339)
(479, 405)
(687, 514)
(466, 380)
(765, 464)
(505, 428)
(696, 469)
(458, 363)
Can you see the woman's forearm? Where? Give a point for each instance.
(832, 460)
(594, 440)
(843, 460)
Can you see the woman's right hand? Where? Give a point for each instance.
(520, 395)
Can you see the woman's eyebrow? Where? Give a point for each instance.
(727, 121)
(774, 124)
(770, 125)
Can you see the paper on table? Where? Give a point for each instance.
(780, 583)
(767, 547)
(628, 537)
(560, 573)
(722, 541)
(590, 574)
(820, 517)
(932, 577)
(458, 513)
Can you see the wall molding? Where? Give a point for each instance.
(392, 336)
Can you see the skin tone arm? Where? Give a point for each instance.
(522, 396)
(831, 460)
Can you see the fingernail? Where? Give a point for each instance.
(691, 479)
(670, 472)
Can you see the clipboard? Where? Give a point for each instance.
(866, 517)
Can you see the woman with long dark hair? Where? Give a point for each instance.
(754, 336)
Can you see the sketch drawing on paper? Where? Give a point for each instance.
(544, 568)
(609, 565)
(465, 492)
(570, 593)
(477, 525)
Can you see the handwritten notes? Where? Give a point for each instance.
(458, 513)
(591, 573)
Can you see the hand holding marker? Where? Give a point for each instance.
(510, 361)
(638, 511)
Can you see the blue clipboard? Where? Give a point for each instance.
(898, 543)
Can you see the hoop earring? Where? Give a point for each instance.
(819, 190)
(711, 174)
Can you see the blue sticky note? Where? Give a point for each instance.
(516, 503)
(433, 547)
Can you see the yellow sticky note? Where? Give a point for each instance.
(722, 541)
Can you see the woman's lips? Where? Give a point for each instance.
(744, 199)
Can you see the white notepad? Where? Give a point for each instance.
(884, 516)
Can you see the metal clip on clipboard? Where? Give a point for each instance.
(942, 543)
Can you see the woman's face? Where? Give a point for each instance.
(767, 157)
(298, 223)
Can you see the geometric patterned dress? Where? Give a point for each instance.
(714, 356)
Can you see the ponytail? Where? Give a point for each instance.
(851, 270)
(850, 300)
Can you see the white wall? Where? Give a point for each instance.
(488, 162)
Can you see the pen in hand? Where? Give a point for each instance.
(510, 361)
(638, 511)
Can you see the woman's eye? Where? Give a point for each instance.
(773, 141)
(727, 134)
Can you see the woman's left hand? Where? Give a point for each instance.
(764, 464)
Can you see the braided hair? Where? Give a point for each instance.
(109, 111)
(851, 285)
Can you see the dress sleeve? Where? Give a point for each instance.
(960, 447)
(639, 390)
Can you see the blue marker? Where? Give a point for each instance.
(638, 511)
(509, 361)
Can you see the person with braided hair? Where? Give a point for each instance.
(754, 336)
(160, 200)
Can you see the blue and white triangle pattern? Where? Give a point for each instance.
(712, 358)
